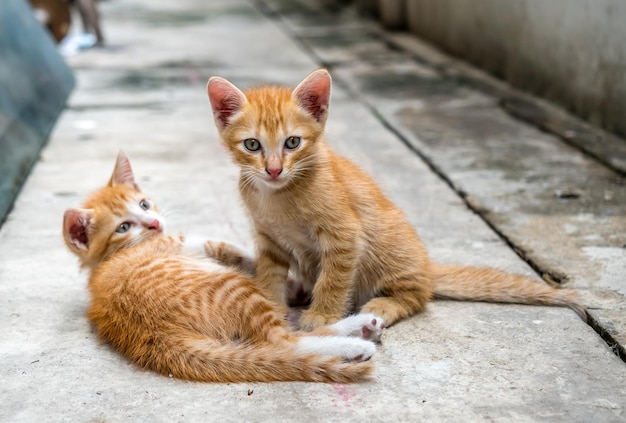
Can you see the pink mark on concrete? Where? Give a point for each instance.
(344, 392)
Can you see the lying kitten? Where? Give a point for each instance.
(174, 312)
(317, 215)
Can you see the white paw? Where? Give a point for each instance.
(358, 350)
(366, 326)
(349, 349)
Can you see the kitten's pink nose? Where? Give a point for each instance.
(274, 171)
(155, 225)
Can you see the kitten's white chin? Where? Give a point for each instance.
(271, 184)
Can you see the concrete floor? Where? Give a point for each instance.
(455, 362)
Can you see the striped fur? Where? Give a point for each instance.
(321, 218)
(188, 316)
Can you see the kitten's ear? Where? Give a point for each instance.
(123, 173)
(226, 100)
(313, 94)
(75, 224)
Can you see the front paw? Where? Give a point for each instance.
(216, 251)
(372, 328)
(366, 326)
(310, 320)
(211, 249)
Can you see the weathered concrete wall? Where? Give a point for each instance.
(572, 52)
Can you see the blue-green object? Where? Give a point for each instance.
(35, 83)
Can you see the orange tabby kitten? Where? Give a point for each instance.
(169, 309)
(322, 218)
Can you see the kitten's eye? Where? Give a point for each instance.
(144, 204)
(252, 144)
(124, 227)
(292, 142)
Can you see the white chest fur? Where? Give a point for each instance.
(293, 233)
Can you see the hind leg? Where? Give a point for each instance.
(400, 299)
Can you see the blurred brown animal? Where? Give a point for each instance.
(56, 16)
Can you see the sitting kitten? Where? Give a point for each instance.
(173, 312)
(320, 217)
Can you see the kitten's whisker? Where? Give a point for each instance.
(168, 212)
(302, 171)
(247, 177)
(245, 180)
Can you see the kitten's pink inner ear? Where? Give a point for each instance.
(123, 172)
(75, 224)
(313, 94)
(226, 100)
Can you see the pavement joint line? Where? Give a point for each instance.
(613, 344)
(495, 91)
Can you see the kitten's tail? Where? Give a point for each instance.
(493, 285)
(206, 360)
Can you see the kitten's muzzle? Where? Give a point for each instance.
(274, 172)
(154, 225)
